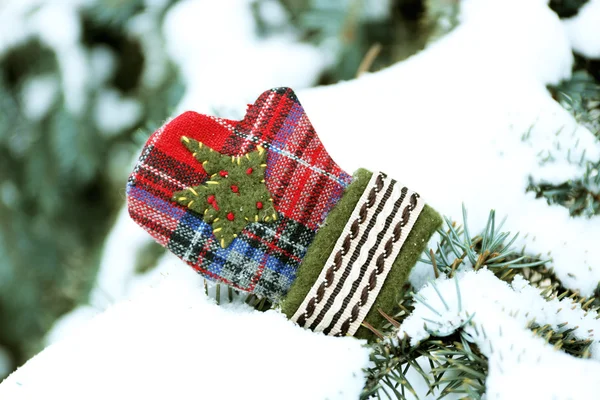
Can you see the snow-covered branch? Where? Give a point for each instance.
(497, 318)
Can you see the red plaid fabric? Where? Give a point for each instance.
(304, 181)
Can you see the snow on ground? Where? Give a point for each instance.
(171, 342)
(499, 316)
(466, 120)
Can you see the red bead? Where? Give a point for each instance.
(249, 171)
(224, 173)
(211, 199)
(259, 205)
(230, 216)
(235, 189)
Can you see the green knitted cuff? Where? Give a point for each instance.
(323, 245)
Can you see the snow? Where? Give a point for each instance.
(38, 94)
(117, 268)
(102, 63)
(69, 54)
(466, 120)
(221, 75)
(172, 342)
(6, 363)
(499, 315)
(584, 30)
(376, 9)
(113, 113)
(143, 27)
(27, 19)
(273, 12)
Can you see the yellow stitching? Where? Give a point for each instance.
(253, 159)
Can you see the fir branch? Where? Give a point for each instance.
(580, 95)
(581, 196)
(452, 365)
(492, 248)
(544, 278)
(563, 339)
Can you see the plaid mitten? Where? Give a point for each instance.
(259, 205)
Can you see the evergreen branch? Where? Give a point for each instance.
(492, 248)
(563, 339)
(581, 196)
(455, 366)
(580, 95)
(552, 288)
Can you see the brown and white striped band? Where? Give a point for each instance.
(361, 259)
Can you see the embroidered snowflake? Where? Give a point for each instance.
(234, 195)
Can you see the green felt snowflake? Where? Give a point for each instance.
(235, 194)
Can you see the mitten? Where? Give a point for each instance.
(259, 205)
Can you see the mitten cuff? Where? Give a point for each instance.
(345, 278)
